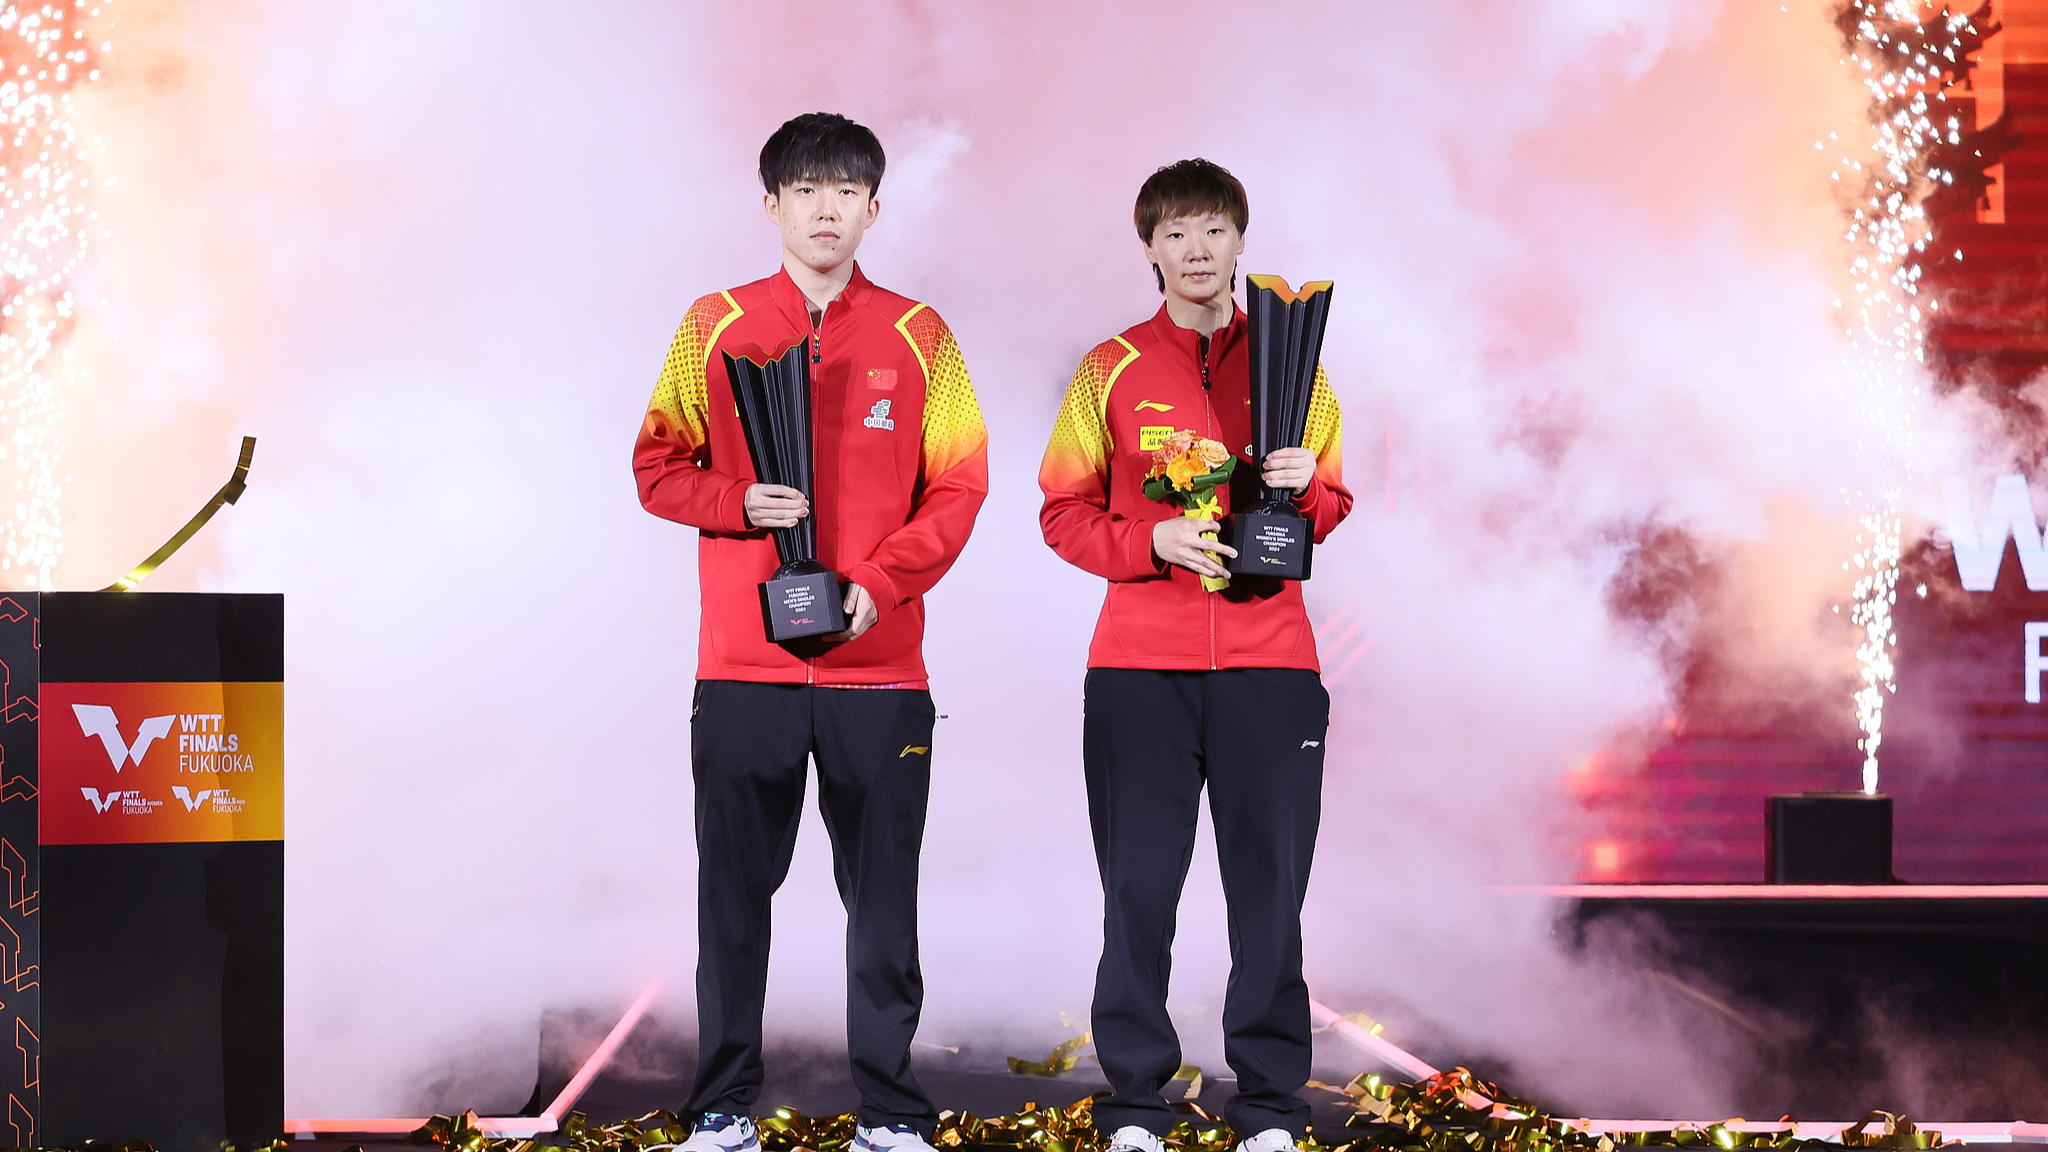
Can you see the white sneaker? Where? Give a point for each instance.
(1131, 1138)
(720, 1132)
(889, 1138)
(1271, 1140)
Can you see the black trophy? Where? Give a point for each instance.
(773, 393)
(1285, 330)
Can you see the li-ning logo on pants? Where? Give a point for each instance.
(99, 720)
(879, 417)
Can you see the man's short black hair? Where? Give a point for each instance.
(823, 146)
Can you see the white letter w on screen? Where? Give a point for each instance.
(1980, 544)
(99, 720)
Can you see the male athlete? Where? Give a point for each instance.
(901, 469)
(1187, 687)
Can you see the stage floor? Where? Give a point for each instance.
(1923, 1000)
(816, 1081)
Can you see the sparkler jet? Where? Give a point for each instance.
(773, 393)
(1285, 331)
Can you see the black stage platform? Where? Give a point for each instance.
(654, 1067)
(1923, 999)
(1929, 998)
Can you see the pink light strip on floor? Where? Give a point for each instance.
(550, 1118)
(566, 1098)
(1363, 1038)
(1780, 891)
(1965, 1131)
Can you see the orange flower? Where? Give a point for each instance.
(1211, 453)
(1181, 472)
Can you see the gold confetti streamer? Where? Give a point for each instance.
(1060, 1059)
(228, 494)
(1453, 1111)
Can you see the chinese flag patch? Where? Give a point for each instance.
(882, 379)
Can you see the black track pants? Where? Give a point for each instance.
(749, 744)
(1149, 743)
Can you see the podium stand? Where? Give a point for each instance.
(142, 838)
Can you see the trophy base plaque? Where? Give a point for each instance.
(803, 599)
(1271, 540)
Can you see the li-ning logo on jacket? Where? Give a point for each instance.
(99, 720)
(879, 417)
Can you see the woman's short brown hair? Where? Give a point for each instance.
(1189, 188)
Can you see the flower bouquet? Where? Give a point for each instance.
(1187, 468)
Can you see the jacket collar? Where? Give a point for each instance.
(790, 298)
(1188, 341)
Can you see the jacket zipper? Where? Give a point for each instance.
(817, 357)
(1209, 430)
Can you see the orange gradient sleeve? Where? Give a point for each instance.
(954, 433)
(953, 478)
(1074, 476)
(672, 460)
(1327, 501)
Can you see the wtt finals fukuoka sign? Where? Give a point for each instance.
(1979, 544)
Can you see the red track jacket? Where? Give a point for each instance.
(1139, 387)
(901, 469)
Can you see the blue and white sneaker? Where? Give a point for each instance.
(1271, 1140)
(1132, 1138)
(720, 1132)
(890, 1138)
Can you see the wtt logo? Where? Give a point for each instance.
(1979, 546)
(100, 803)
(192, 802)
(99, 720)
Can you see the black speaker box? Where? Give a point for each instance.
(1828, 838)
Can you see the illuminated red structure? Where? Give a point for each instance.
(1965, 755)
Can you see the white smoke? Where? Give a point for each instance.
(432, 257)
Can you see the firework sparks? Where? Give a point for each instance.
(46, 217)
(1905, 53)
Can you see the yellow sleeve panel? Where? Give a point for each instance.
(1324, 434)
(678, 411)
(1080, 444)
(953, 428)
